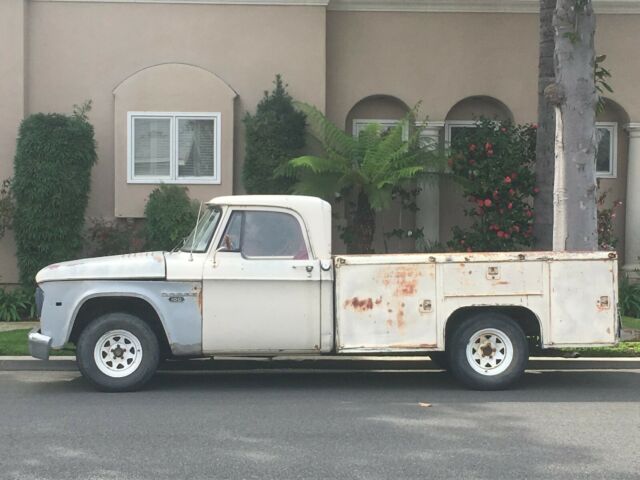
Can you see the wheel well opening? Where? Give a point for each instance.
(525, 318)
(95, 307)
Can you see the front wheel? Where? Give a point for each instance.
(488, 351)
(118, 352)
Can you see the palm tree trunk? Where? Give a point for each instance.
(575, 98)
(545, 135)
(362, 226)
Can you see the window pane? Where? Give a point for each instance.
(458, 133)
(272, 234)
(195, 147)
(603, 158)
(151, 147)
(231, 238)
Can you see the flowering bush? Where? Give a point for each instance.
(494, 163)
(606, 216)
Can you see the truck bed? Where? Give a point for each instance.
(398, 303)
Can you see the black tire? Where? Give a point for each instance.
(134, 329)
(440, 360)
(496, 374)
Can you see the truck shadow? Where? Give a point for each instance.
(540, 386)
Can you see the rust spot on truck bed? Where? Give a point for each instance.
(359, 304)
(404, 278)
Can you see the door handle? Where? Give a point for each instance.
(308, 268)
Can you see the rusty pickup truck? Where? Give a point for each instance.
(257, 277)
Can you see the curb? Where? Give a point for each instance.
(322, 362)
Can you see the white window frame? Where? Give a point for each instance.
(613, 149)
(173, 157)
(361, 123)
(456, 123)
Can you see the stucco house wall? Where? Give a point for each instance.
(354, 59)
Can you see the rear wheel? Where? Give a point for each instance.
(118, 352)
(488, 351)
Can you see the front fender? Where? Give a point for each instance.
(178, 305)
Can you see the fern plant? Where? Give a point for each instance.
(363, 170)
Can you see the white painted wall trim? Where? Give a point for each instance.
(442, 6)
(305, 3)
(472, 6)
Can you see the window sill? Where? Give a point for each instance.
(179, 181)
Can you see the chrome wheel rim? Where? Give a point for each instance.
(118, 353)
(489, 351)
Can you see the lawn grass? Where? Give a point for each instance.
(14, 343)
(623, 349)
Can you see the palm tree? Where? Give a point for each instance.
(545, 138)
(364, 171)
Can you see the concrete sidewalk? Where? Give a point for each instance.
(325, 363)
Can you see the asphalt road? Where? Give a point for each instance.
(281, 425)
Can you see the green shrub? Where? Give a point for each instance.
(113, 237)
(6, 207)
(275, 134)
(16, 305)
(494, 163)
(628, 297)
(52, 176)
(171, 216)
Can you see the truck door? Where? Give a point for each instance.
(261, 286)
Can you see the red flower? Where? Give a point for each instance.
(507, 179)
(535, 125)
(480, 202)
(506, 235)
(516, 228)
(488, 146)
(496, 195)
(489, 153)
(509, 205)
(536, 190)
(472, 147)
(487, 202)
(528, 213)
(500, 234)
(512, 192)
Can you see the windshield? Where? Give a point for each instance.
(199, 240)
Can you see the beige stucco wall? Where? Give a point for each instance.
(12, 97)
(439, 59)
(84, 50)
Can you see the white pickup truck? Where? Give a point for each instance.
(257, 278)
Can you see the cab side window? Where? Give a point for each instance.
(265, 234)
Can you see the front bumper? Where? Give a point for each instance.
(39, 344)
